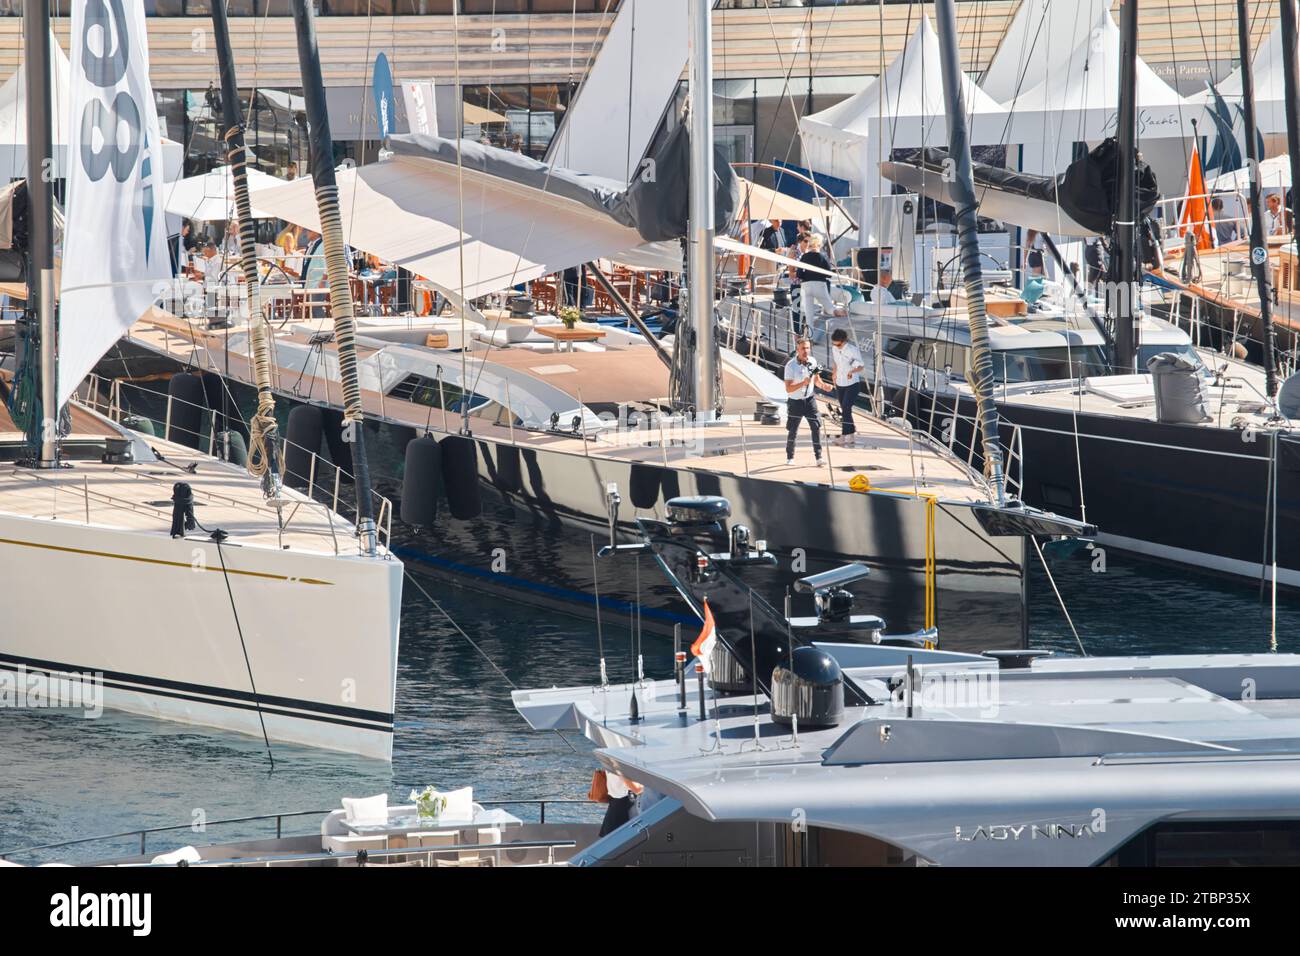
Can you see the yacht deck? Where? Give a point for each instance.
(891, 460)
(137, 496)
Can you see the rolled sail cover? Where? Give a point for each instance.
(655, 204)
(1079, 202)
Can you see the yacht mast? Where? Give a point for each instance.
(700, 245)
(963, 192)
(263, 459)
(1126, 232)
(40, 203)
(336, 263)
(1258, 242)
(1291, 86)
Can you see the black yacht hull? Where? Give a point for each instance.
(533, 540)
(1183, 493)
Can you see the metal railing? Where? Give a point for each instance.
(141, 835)
(116, 409)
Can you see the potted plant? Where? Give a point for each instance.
(570, 315)
(429, 803)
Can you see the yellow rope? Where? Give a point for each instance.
(862, 484)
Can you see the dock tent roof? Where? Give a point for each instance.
(1270, 96)
(1077, 101)
(1038, 37)
(842, 141)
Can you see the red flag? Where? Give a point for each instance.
(1196, 207)
(703, 646)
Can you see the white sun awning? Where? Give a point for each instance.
(407, 211)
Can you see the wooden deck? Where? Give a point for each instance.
(138, 496)
(889, 458)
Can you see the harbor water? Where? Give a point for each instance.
(66, 778)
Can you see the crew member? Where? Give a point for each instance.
(847, 362)
(801, 383)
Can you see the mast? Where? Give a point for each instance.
(40, 203)
(1126, 233)
(263, 458)
(1258, 243)
(963, 193)
(700, 245)
(1291, 87)
(336, 264)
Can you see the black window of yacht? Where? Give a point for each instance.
(1047, 364)
(1214, 843)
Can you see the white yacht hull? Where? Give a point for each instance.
(152, 620)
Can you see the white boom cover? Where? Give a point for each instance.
(406, 210)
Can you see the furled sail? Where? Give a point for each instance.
(115, 248)
(522, 218)
(1079, 202)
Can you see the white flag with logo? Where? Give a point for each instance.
(421, 110)
(115, 242)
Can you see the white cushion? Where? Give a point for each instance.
(366, 811)
(186, 853)
(460, 804)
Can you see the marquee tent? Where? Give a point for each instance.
(902, 108)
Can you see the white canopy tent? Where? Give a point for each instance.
(13, 122)
(210, 197)
(902, 108)
(13, 115)
(1274, 173)
(1077, 100)
(406, 211)
(1039, 37)
(1270, 95)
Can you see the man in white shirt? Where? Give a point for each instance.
(1274, 217)
(848, 367)
(881, 292)
(801, 383)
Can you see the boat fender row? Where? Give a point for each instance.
(303, 436)
(187, 400)
(437, 469)
(647, 483)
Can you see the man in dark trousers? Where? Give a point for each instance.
(801, 382)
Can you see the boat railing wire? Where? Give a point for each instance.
(138, 839)
(322, 485)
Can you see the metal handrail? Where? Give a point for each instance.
(363, 857)
(114, 408)
(143, 833)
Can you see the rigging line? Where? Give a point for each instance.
(601, 31)
(600, 637)
(257, 700)
(460, 205)
(469, 640)
(785, 87)
(1065, 318)
(1060, 600)
(366, 86)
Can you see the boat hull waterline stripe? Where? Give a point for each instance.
(220, 696)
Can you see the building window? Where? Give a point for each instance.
(519, 117)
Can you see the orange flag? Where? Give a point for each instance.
(1196, 207)
(703, 646)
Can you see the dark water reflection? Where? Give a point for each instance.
(65, 777)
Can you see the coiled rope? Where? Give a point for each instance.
(265, 453)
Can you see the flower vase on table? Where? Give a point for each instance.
(429, 804)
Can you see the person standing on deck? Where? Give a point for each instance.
(801, 383)
(814, 288)
(847, 362)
